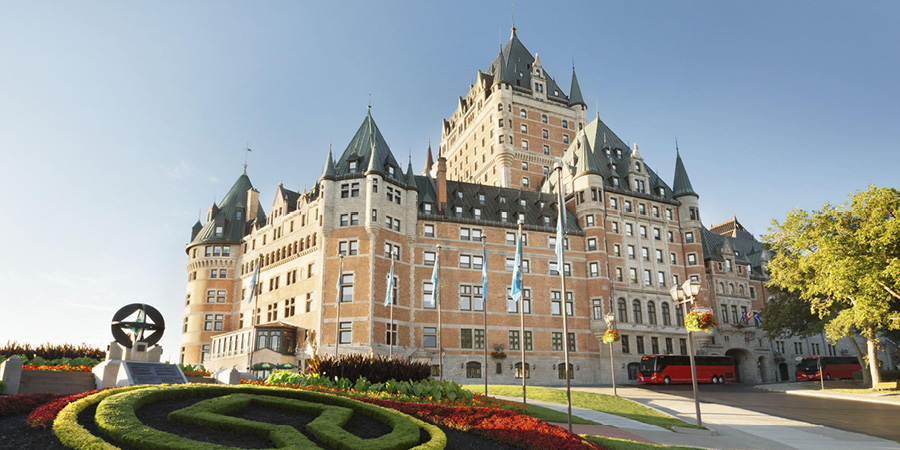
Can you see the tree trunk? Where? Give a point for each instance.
(871, 342)
(861, 357)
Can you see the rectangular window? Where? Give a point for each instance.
(626, 346)
(689, 237)
(429, 258)
(347, 287)
(640, 345)
(592, 244)
(428, 230)
(479, 339)
(556, 341)
(427, 295)
(464, 234)
(346, 333)
(429, 337)
(513, 338)
(465, 338)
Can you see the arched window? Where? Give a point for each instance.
(623, 311)
(518, 367)
(636, 309)
(666, 318)
(651, 313)
(473, 369)
(561, 369)
(720, 288)
(731, 288)
(741, 289)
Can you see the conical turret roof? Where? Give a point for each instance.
(225, 215)
(513, 66)
(368, 152)
(682, 184)
(575, 97)
(329, 172)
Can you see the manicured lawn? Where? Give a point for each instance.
(622, 444)
(552, 415)
(598, 402)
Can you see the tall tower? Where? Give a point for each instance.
(213, 254)
(691, 228)
(514, 123)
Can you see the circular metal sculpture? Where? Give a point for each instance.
(148, 319)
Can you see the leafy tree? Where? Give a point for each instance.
(786, 314)
(844, 262)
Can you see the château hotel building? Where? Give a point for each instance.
(631, 236)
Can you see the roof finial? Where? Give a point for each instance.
(676, 144)
(513, 30)
(370, 99)
(246, 152)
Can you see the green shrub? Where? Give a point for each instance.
(115, 416)
(886, 375)
(51, 352)
(2, 386)
(378, 369)
(428, 387)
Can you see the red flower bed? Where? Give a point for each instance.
(61, 368)
(501, 425)
(43, 416)
(13, 404)
(198, 373)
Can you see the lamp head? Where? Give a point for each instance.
(677, 293)
(691, 287)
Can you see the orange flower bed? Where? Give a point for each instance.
(61, 368)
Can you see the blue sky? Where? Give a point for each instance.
(119, 121)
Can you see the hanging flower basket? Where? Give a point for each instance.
(611, 336)
(700, 321)
(500, 354)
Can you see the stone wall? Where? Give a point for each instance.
(34, 381)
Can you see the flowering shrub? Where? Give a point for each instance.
(610, 336)
(61, 368)
(51, 352)
(194, 371)
(700, 321)
(377, 368)
(14, 404)
(349, 391)
(509, 427)
(44, 415)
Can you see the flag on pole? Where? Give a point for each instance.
(758, 318)
(517, 272)
(561, 225)
(484, 279)
(253, 284)
(390, 285)
(340, 283)
(748, 316)
(434, 275)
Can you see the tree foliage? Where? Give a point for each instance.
(786, 314)
(843, 262)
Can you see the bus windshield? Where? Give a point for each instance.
(809, 365)
(648, 365)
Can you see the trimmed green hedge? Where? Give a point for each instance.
(116, 417)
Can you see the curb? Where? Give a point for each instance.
(695, 431)
(810, 393)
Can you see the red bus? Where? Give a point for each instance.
(667, 369)
(835, 367)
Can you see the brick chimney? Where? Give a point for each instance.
(442, 183)
(252, 204)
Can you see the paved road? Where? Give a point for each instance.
(867, 418)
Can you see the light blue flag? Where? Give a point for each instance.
(517, 272)
(434, 276)
(484, 279)
(340, 283)
(561, 225)
(390, 285)
(253, 284)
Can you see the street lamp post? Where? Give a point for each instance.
(682, 295)
(610, 319)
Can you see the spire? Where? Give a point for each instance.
(537, 61)
(329, 173)
(429, 160)
(512, 31)
(575, 97)
(682, 185)
(410, 177)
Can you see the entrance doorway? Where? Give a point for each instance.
(783, 371)
(745, 370)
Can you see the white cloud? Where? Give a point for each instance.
(179, 171)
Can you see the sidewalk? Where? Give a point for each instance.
(740, 429)
(813, 390)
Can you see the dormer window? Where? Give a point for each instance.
(522, 203)
(618, 153)
(220, 230)
(459, 195)
(426, 207)
(353, 165)
(607, 153)
(391, 171)
(458, 211)
(615, 167)
(481, 198)
(543, 204)
(238, 216)
(615, 182)
(477, 213)
(637, 167)
(502, 200)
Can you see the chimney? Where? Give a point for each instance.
(442, 183)
(252, 203)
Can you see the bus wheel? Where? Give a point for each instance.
(828, 376)
(715, 379)
(721, 379)
(667, 380)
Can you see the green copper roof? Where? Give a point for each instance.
(410, 177)
(682, 185)
(369, 153)
(329, 172)
(225, 215)
(575, 97)
(513, 66)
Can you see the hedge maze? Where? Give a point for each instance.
(217, 410)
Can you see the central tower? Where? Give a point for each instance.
(514, 123)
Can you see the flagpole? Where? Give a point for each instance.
(560, 234)
(484, 308)
(437, 297)
(255, 299)
(391, 331)
(337, 325)
(521, 304)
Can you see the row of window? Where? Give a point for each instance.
(637, 314)
(669, 348)
(275, 282)
(277, 255)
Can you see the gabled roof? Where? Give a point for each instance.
(513, 65)
(290, 197)
(682, 185)
(731, 228)
(747, 250)
(370, 152)
(224, 214)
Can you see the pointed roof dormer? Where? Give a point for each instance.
(329, 172)
(227, 221)
(513, 65)
(682, 184)
(410, 177)
(575, 97)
